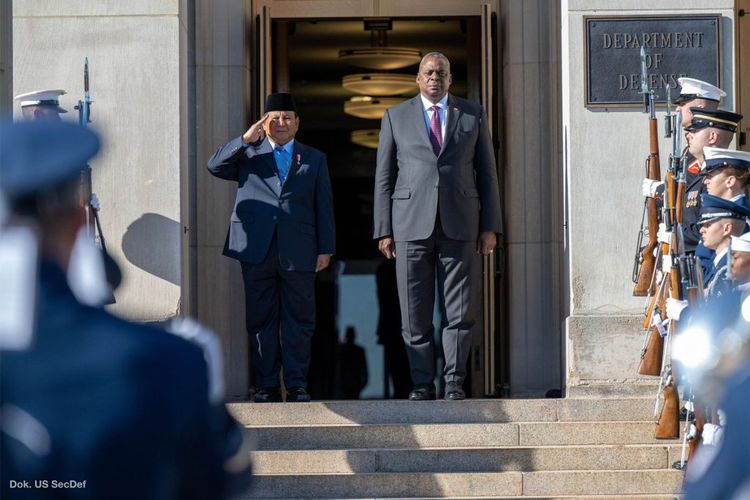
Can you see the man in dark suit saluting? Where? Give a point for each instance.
(437, 207)
(282, 232)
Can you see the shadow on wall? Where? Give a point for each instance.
(152, 243)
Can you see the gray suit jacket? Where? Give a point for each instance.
(300, 212)
(412, 183)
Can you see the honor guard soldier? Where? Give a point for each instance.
(696, 94)
(726, 173)
(117, 410)
(707, 129)
(92, 275)
(720, 220)
(41, 104)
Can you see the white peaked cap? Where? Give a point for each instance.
(741, 243)
(37, 97)
(700, 89)
(710, 153)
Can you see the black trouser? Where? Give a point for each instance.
(280, 320)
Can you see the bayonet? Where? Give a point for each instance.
(644, 79)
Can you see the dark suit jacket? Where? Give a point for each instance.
(300, 211)
(412, 184)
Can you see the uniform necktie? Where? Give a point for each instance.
(436, 135)
(282, 162)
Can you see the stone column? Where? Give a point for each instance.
(223, 82)
(532, 185)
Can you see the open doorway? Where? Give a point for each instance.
(352, 293)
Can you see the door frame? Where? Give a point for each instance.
(486, 351)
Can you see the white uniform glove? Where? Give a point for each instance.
(712, 434)
(675, 308)
(651, 188)
(94, 202)
(664, 236)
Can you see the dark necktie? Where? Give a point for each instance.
(436, 135)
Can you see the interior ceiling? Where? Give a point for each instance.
(315, 71)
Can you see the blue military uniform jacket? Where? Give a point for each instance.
(124, 407)
(727, 473)
(299, 212)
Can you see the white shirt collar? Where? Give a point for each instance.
(427, 104)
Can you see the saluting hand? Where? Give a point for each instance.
(387, 247)
(487, 242)
(255, 132)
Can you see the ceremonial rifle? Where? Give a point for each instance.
(91, 213)
(645, 261)
(668, 422)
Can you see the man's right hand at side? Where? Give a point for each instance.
(255, 132)
(387, 247)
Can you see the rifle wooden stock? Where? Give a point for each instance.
(680, 202)
(668, 426)
(645, 282)
(651, 355)
(670, 196)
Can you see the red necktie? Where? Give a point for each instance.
(436, 135)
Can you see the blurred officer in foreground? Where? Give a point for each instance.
(92, 274)
(721, 369)
(95, 407)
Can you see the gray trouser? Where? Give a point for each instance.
(455, 264)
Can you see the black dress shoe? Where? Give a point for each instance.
(297, 395)
(268, 395)
(425, 392)
(454, 392)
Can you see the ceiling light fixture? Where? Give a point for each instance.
(381, 57)
(367, 138)
(379, 83)
(369, 108)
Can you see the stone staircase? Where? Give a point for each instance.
(504, 448)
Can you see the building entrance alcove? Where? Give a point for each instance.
(518, 350)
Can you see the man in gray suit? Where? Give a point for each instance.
(282, 232)
(437, 207)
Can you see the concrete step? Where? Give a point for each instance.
(548, 458)
(343, 437)
(566, 497)
(425, 412)
(468, 485)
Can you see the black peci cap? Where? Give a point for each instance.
(280, 101)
